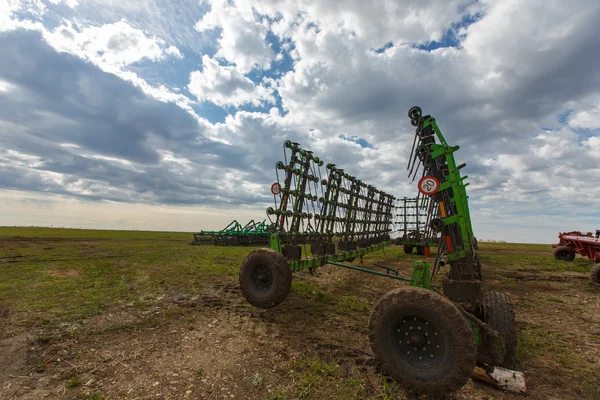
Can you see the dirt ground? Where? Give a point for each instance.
(213, 345)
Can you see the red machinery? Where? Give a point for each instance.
(587, 245)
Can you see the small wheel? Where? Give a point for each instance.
(595, 273)
(498, 312)
(420, 250)
(422, 341)
(415, 112)
(436, 224)
(408, 249)
(564, 253)
(351, 259)
(265, 278)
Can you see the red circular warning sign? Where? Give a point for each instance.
(429, 185)
(276, 188)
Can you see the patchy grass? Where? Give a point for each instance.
(74, 382)
(66, 275)
(85, 293)
(353, 304)
(534, 257)
(306, 289)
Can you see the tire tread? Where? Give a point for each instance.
(282, 278)
(499, 313)
(465, 347)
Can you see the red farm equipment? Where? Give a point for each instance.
(571, 243)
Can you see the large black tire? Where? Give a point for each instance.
(420, 250)
(595, 273)
(498, 312)
(564, 253)
(408, 249)
(422, 341)
(265, 278)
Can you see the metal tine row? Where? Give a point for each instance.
(314, 205)
(413, 219)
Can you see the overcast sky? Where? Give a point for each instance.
(170, 115)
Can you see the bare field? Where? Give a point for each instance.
(143, 315)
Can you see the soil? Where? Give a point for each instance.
(215, 346)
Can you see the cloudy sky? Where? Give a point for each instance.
(170, 115)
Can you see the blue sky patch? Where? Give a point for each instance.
(360, 141)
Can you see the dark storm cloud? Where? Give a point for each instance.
(93, 109)
(100, 134)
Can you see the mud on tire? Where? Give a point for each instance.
(265, 278)
(498, 312)
(423, 341)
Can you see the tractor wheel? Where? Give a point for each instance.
(423, 341)
(351, 259)
(408, 249)
(420, 250)
(498, 312)
(265, 278)
(564, 253)
(595, 273)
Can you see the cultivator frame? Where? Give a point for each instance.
(235, 234)
(328, 218)
(412, 222)
(340, 218)
(575, 242)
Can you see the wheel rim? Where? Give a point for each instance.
(418, 342)
(262, 278)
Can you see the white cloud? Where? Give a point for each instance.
(375, 23)
(554, 170)
(33, 9)
(593, 142)
(16, 158)
(173, 51)
(586, 119)
(226, 86)
(6, 86)
(69, 3)
(243, 39)
(114, 45)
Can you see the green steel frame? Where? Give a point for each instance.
(450, 204)
(352, 219)
(454, 181)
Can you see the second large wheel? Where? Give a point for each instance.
(498, 312)
(564, 253)
(422, 341)
(265, 278)
(595, 273)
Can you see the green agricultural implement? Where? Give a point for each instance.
(235, 234)
(428, 337)
(413, 224)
